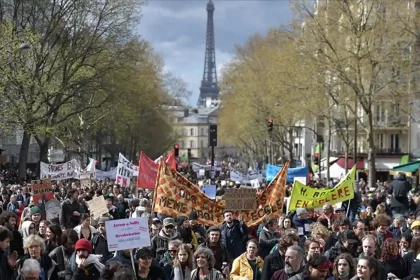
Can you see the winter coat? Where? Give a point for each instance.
(399, 188)
(234, 238)
(160, 244)
(241, 268)
(267, 241)
(272, 263)
(49, 266)
(219, 258)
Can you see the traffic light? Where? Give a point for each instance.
(189, 153)
(176, 150)
(213, 135)
(270, 125)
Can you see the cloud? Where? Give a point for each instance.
(177, 31)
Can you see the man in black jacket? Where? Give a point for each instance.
(399, 189)
(69, 214)
(234, 235)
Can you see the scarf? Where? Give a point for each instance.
(178, 275)
(91, 259)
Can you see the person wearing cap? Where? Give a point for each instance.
(214, 243)
(301, 221)
(415, 229)
(35, 216)
(84, 265)
(155, 227)
(348, 243)
(199, 230)
(145, 268)
(100, 242)
(160, 242)
(317, 268)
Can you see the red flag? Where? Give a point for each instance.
(147, 172)
(170, 160)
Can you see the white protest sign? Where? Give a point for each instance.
(300, 180)
(67, 170)
(97, 206)
(255, 183)
(125, 170)
(127, 234)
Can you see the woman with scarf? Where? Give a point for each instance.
(183, 264)
(187, 234)
(35, 248)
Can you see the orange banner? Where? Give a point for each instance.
(176, 196)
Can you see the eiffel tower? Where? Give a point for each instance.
(209, 88)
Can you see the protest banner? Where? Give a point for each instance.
(307, 197)
(272, 170)
(97, 206)
(240, 199)
(42, 190)
(52, 209)
(127, 234)
(67, 170)
(148, 170)
(125, 170)
(176, 196)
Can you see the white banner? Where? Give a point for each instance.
(125, 170)
(102, 175)
(67, 170)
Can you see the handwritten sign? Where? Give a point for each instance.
(67, 170)
(125, 170)
(42, 189)
(127, 234)
(97, 206)
(241, 199)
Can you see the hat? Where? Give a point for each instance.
(301, 211)
(35, 210)
(102, 220)
(349, 236)
(180, 220)
(214, 228)
(144, 252)
(168, 222)
(156, 220)
(193, 215)
(83, 244)
(415, 224)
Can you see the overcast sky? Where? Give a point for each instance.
(177, 28)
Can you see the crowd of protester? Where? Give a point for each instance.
(375, 236)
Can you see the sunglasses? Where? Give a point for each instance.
(169, 227)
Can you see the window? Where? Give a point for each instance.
(192, 144)
(192, 132)
(202, 131)
(380, 141)
(202, 144)
(395, 141)
(380, 112)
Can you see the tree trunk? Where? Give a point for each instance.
(291, 146)
(43, 151)
(346, 158)
(327, 162)
(371, 153)
(23, 155)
